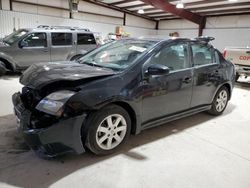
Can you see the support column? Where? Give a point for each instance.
(11, 5)
(157, 25)
(202, 26)
(124, 18)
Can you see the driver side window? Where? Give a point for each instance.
(175, 57)
(35, 40)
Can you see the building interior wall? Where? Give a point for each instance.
(31, 13)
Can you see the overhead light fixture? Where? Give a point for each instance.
(180, 5)
(232, 0)
(140, 11)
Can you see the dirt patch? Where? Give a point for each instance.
(11, 140)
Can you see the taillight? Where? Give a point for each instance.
(224, 53)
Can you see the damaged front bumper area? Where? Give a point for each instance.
(46, 135)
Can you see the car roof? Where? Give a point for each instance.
(204, 40)
(58, 30)
(156, 38)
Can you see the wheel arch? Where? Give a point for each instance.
(131, 113)
(229, 88)
(227, 85)
(8, 65)
(75, 56)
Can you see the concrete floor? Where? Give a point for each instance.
(199, 151)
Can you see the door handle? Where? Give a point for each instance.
(187, 80)
(45, 50)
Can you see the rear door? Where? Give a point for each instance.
(32, 49)
(62, 46)
(207, 74)
(85, 42)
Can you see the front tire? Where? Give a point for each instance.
(220, 101)
(108, 129)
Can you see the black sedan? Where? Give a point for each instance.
(119, 89)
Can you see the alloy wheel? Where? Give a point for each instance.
(111, 131)
(221, 101)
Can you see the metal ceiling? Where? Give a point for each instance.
(203, 8)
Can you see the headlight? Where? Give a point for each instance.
(53, 104)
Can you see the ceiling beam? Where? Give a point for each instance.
(230, 5)
(204, 2)
(154, 13)
(118, 9)
(230, 14)
(164, 16)
(121, 2)
(234, 10)
(189, 4)
(150, 9)
(134, 6)
(170, 8)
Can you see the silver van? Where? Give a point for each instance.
(24, 47)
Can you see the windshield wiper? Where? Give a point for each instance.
(92, 64)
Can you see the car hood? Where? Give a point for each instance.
(41, 74)
(3, 45)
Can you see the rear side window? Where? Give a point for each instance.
(61, 39)
(202, 55)
(83, 38)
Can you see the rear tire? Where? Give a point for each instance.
(2, 68)
(108, 129)
(220, 101)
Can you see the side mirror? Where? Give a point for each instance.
(23, 44)
(158, 69)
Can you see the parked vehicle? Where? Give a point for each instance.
(25, 47)
(119, 89)
(241, 58)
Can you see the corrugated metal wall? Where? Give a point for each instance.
(31, 13)
(227, 30)
(10, 20)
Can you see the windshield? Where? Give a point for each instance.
(117, 55)
(13, 37)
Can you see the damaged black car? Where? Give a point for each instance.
(119, 89)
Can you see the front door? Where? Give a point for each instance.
(32, 49)
(171, 93)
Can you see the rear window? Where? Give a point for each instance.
(83, 38)
(61, 39)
